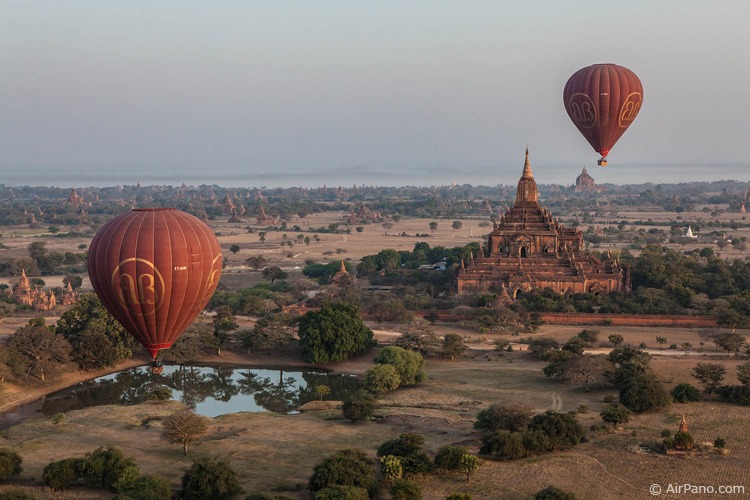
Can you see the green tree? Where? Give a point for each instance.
(322, 391)
(449, 457)
(390, 467)
(586, 370)
(643, 392)
(184, 427)
(710, 375)
(333, 333)
(403, 489)
(148, 487)
(743, 373)
(457, 224)
(511, 417)
(234, 248)
(553, 493)
(274, 273)
(453, 345)
(74, 280)
(38, 349)
(381, 379)
(224, 323)
(61, 474)
(10, 464)
(349, 467)
(685, 393)
(210, 478)
(418, 335)
(93, 349)
(408, 364)
(359, 405)
(562, 428)
(88, 314)
(103, 467)
(469, 464)
(256, 261)
(615, 414)
(433, 226)
(275, 329)
(616, 339)
(337, 492)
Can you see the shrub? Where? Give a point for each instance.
(615, 414)
(403, 489)
(408, 447)
(349, 467)
(338, 492)
(503, 445)
(127, 477)
(642, 392)
(685, 393)
(381, 379)
(458, 496)
(719, 443)
(609, 398)
(359, 406)
(408, 364)
(391, 468)
(683, 440)
(561, 428)
(103, 466)
(10, 463)
(552, 493)
(453, 345)
(511, 417)
(449, 457)
(17, 494)
(61, 475)
(148, 487)
(209, 478)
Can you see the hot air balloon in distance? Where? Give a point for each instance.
(602, 100)
(155, 269)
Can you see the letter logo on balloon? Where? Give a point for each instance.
(630, 109)
(135, 287)
(582, 110)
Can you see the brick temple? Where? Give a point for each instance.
(529, 250)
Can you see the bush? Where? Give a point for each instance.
(148, 487)
(209, 478)
(504, 445)
(458, 496)
(552, 493)
(333, 333)
(103, 466)
(642, 392)
(390, 468)
(561, 428)
(61, 475)
(511, 417)
(449, 457)
(381, 379)
(338, 492)
(453, 345)
(408, 447)
(403, 489)
(10, 464)
(359, 406)
(408, 364)
(17, 494)
(719, 443)
(127, 477)
(349, 467)
(683, 440)
(615, 414)
(685, 393)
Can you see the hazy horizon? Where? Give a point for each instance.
(290, 93)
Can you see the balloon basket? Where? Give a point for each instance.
(602, 162)
(157, 367)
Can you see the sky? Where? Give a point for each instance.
(265, 91)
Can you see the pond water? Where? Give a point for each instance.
(209, 390)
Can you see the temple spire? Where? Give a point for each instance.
(527, 191)
(527, 166)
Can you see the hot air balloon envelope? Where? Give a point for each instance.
(155, 270)
(602, 100)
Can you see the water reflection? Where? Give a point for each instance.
(210, 391)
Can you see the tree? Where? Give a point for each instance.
(322, 391)
(38, 348)
(148, 487)
(433, 226)
(469, 463)
(449, 457)
(103, 467)
(710, 375)
(589, 337)
(234, 248)
(511, 417)
(418, 335)
(743, 373)
(349, 467)
(390, 467)
(210, 478)
(333, 333)
(616, 339)
(88, 314)
(553, 493)
(403, 489)
(685, 393)
(277, 329)
(184, 427)
(274, 273)
(453, 345)
(359, 405)
(61, 474)
(587, 369)
(408, 447)
(729, 341)
(335, 492)
(615, 414)
(643, 392)
(661, 340)
(457, 224)
(256, 262)
(74, 280)
(381, 379)
(93, 349)
(10, 464)
(408, 364)
(224, 323)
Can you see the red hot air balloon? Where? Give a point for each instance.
(155, 270)
(602, 100)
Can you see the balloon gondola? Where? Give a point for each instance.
(602, 100)
(155, 270)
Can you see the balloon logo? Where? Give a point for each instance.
(602, 101)
(155, 270)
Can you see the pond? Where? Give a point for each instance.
(209, 390)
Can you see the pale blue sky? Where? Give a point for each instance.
(189, 86)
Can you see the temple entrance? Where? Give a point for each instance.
(523, 252)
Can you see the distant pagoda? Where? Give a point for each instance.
(529, 250)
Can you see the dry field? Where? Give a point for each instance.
(277, 452)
